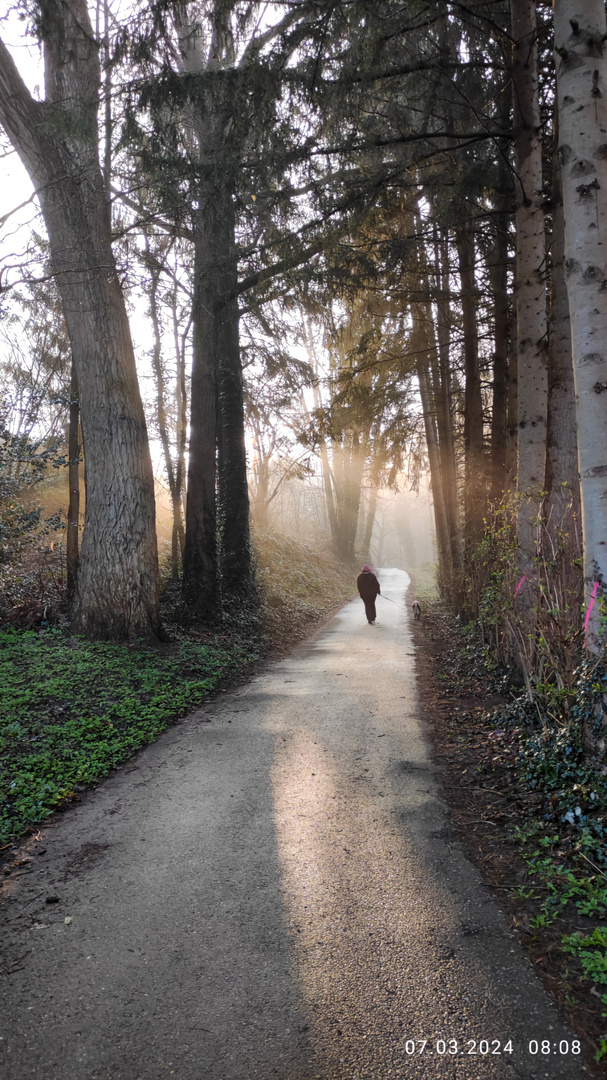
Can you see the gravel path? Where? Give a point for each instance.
(273, 891)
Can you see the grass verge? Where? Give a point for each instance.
(72, 710)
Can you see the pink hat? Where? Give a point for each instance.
(366, 569)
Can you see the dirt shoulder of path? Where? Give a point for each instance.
(478, 776)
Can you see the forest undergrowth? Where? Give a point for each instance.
(531, 804)
(71, 710)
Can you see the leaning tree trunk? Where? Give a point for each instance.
(580, 34)
(530, 278)
(117, 587)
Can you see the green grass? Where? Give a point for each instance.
(71, 710)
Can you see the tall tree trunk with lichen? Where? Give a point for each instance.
(580, 37)
(116, 593)
(530, 291)
(561, 509)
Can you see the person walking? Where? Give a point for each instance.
(368, 587)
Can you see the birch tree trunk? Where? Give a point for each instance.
(580, 34)
(530, 289)
(562, 480)
(116, 592)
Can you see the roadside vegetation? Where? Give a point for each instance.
(71, 710)
(531, 804)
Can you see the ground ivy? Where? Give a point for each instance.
(71, 710)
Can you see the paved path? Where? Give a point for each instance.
(275, 892)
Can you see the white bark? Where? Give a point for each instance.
(530, 275)
(581, 66)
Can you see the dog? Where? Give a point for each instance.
(416, 609)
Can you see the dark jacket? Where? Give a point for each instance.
(368, 586)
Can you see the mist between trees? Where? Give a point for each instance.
(367, 240)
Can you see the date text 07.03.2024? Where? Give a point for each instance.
(489, 1047)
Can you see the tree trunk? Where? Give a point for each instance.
(423, 350)
(117, 588)
(236, 567)
(369, 523)
(530, 274)
(181, 403)
(443, 397)
(200, 565)
(217, 472)
(562, 480)
(512, 419)
(498, 274)
(329, 496)
(474, 493)
(73, 474)
(581, 66)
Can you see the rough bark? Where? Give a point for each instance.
(498, 273)
(236, 568)
(73, 477)
(502, 307)
(217, 503)
(562, 480)
(181, 405)
(530, 288)
(442, 393)
(423, 349)
(369, 523)
(117, 588)
(474, 493)
(512, 419)
(200, 562)
(173, 469)
(581, 68)
(348, 464)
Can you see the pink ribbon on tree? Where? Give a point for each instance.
(518, 586)
(590, 607)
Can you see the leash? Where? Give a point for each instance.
(401, 606)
